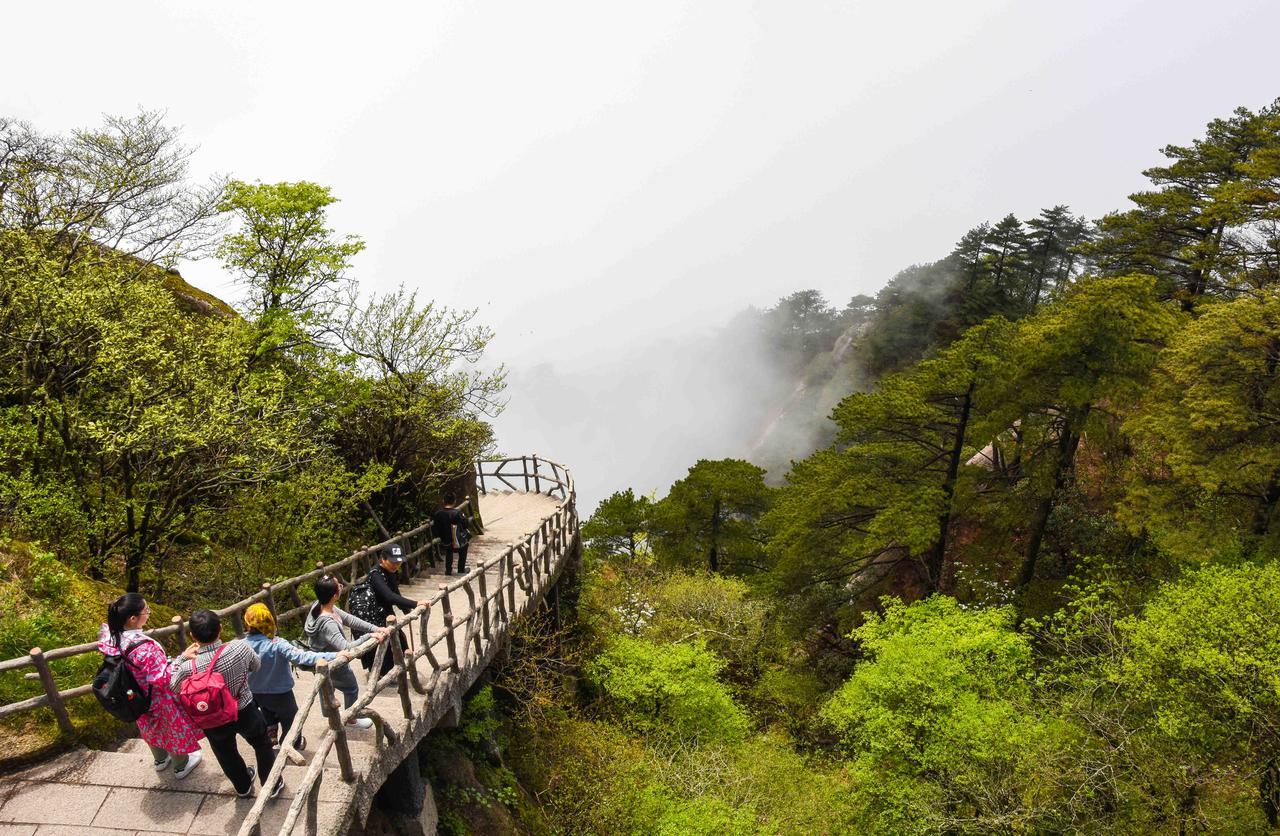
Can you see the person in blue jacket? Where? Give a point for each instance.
(272, 683)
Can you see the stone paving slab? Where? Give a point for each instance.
(150, 810)
(43, 803)
(18, 829)
(220, 814)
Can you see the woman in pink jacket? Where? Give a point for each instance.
(168, 732)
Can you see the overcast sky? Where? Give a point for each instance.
(594, 175)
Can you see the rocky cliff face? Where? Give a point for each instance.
(801, 422)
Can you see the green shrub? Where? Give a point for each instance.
(940, 723)
(667, 690)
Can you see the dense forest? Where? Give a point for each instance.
(1029, 584)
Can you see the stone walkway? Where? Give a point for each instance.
(93, 792)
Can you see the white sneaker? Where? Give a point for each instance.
(193, 760)
(164, 764)
(361, 723)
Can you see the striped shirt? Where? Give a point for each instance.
(235, 664)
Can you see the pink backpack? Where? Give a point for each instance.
(205, 696)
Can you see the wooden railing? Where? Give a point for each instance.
(491, 604)
(536, 475)
(529, 565)
(417, 545)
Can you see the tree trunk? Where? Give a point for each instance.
(1269, 787)
(1068, 441)
(1262, 523)
(714, 556)
(937, 560)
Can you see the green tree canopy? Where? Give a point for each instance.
(712, 517)
(294, 267)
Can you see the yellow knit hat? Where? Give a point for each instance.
(259, 618)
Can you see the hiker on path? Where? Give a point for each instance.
(272, 683)
(166, 729)
(229, 703)
(384, 580)
(326, 630)
(453, 528)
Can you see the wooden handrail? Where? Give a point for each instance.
(467, 635)
(268, 593)
(552, 548)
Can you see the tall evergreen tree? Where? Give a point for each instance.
(1190, 230)
(1094, 346)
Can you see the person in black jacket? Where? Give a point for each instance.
(384, 580)
(453, 529)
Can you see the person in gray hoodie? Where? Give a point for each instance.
(324, 629)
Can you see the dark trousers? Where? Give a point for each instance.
(222, 740)
(448, 559)
(388, 660)
(278, 709)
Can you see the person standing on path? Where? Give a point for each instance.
(235, 661)
(384, 580)
(166, 728)
(325, 631)
(453, 528)
(272, 682)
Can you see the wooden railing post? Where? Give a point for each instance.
(524, 465)
(329, 704)
(473, 610)
(270, 600)
(51, 690)
(450, 640)
(357, 564)
(537, 480)
(484, 605)
(397, 653)
(237, 619)
(425, 640)
(500, 592)
(182, 632)
(406, 549)
(526, 554)
(480, 475)
(511, 582)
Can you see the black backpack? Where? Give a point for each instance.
(117, 689)
(464, 530)
(363, 604)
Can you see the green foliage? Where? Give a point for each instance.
(1208, 475)
(938, 721)
(619, 527)
(716, 610)
(667, 690)
(479, 721)
(47, 604)
(884, 492)
(292, 263)
(1206, 655)
(413, 400)
(703, 816)
(141, 419)
(1069, 368)
(1204, 229)
(134, 421)
(711, 517)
